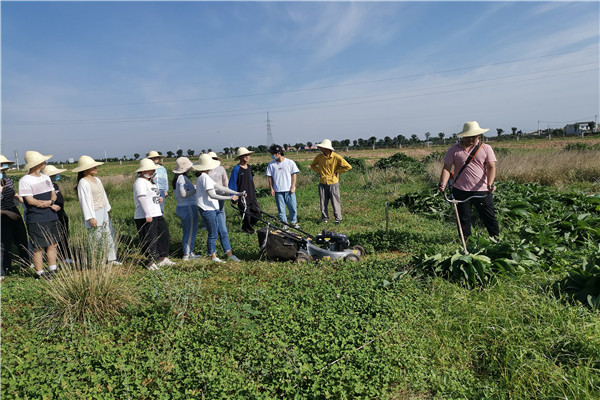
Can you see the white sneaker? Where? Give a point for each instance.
(218, 260)
(190, 256)
(153, 267)
(186, 257)
(166, 262)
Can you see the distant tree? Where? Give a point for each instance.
(427, 135)
(190, 152)
(309, 144)
(387, 141)
(136, 156)
(591, 125)
(179, 153)
(499, 132)
(372, 141)
(401, 139)
(336, 144)
(441, 136)
(170, 154)
(262, 148)
(299, 145)
(355, 143)
(346, 143)
(514, 130)
(414, 138)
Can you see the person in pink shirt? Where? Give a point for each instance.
(475, 179)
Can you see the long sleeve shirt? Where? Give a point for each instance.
(86, 198)
(330, 167)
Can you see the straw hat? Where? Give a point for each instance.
(471, 128)
(182, 165)
(146, 164)
(242, 151)
(153, 154)
(33, 158)
(51, 170)
(4, 161)
(86, 162)
(205, 163)
(325, 144)
(214, 155)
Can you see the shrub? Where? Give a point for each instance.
(358, 164)
(402, 161)
(582, 283)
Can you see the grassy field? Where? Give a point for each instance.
(393, 326)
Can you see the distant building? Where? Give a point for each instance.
(577, 128)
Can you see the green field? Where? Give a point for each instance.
(413, 320)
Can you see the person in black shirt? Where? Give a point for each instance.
(63, 220)
(240, 180)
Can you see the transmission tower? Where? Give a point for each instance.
(269, 134)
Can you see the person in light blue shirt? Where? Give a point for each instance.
(281, 173)
(161, 178)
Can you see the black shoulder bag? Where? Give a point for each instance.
(453, 177)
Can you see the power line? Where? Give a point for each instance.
(322, 103)
(304, 89)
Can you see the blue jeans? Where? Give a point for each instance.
(288, 199)
(189, 225)
(215, 224)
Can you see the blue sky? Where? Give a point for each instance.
(127, 77)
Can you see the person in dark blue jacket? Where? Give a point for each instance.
(240, 180)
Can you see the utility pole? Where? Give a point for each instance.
(269, 134)
(538, 127)
(16, 159)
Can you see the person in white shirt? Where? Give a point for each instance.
(41, 217)
(219, 175)
(187, 211)
(151, 225)
(281, 173)
(207, 201)
(161, 178)
(95, 208)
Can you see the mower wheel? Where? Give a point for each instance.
(360, 249)
(352, 258)
(302, 258)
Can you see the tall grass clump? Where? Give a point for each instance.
(563, 167)
(90, 289)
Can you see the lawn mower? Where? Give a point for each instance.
(279, 240)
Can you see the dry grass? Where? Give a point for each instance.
(554, 168)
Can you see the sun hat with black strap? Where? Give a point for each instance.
(242, 151)
(206, 163)
(34, 158)
(325, 144)
(471, 128)
(214, 155)
(86, 162)
(146, 164)
(182, 165)
(51, 170)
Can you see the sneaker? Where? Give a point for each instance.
(234, 258)
(45, 276)
(185, 257)
(115, 262)
(295, 225)
(166, 262)
(218, 260)
(325, 221)
(68, 261)
(338, 221)
(153, 267)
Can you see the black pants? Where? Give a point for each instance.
(154, 237)
(13, 232)
(63, 243)
(484, 207)
(250, 217)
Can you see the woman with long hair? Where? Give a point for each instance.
(95, 207)
(208, 202)
(185, 194)
(151, 225)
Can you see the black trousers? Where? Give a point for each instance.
(484, 207)
(13, 232)
(250, 217)
(154, 237)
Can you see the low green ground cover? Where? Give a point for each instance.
(383, 328)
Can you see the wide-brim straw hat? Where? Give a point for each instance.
(182, 165)
(214, 155)
(471, 128)
(153, 154)
(242, 151)
(51, 170)
(33, 158)
(146, 164)
(4, 161)
(86, 162)
(205, 163)
(325, 144)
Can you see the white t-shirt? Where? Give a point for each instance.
(203, 184)
(146, 191)
(40, 188)
(282, 172)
